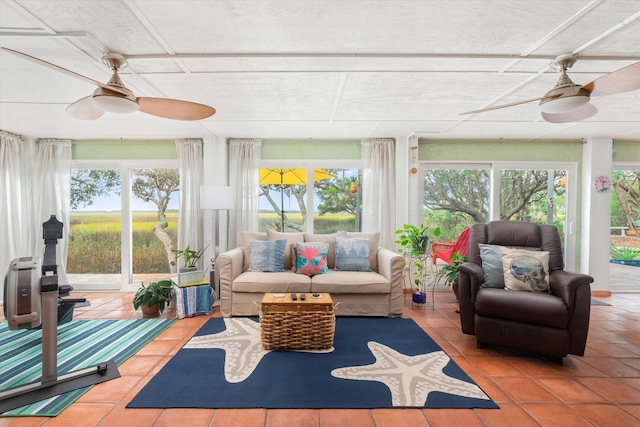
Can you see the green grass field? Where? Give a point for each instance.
(95, 239)
(95, 243)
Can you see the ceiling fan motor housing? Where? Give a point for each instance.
(566, 95)
(115, 102)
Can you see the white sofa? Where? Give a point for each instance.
(375, 293)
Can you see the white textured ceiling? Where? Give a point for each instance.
(318, 69)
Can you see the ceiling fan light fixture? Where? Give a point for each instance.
(563, 104)
(114, 102)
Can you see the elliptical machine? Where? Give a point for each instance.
(33, 299)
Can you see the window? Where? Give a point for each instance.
(456, 196)
(624, 269)
(96, 226)
(122, 236)
(310, 199)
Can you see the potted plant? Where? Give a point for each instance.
(414, 241)
(190, 256)
(414, 238)
(624, 255)
(152, 298)
(450, 272)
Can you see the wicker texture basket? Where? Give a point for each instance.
(290, 327)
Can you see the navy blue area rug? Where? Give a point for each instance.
(375, 363)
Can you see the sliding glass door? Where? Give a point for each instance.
(454, 196)
(124, 223)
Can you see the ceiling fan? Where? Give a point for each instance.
(568, 101)
(114, 96)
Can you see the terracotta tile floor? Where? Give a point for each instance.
(600, 389)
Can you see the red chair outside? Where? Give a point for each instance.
(445, 251)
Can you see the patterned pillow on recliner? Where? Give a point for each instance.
(525, 270)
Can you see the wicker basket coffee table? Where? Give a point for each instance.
(307, 324)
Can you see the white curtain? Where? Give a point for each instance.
(244, 178)
(190, 229)
(13, 191)
(52, 196)
(378, 189)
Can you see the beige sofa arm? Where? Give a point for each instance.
(391, 266)
(229, 265)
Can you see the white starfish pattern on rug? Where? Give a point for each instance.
(241, 343)
(409, 378)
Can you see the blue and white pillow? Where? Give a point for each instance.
(352, 254)
(267, 255)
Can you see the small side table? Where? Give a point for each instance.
(428, 275)
(191, 300)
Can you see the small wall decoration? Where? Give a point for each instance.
(602, 184)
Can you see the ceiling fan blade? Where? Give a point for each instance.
(623, 80)
(84, 109)
(64, 70)
(584, 112)
(497, 107)
(175, 109)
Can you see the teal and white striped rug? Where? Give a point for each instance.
(81, 343)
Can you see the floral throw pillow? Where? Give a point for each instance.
(352, 254)
(311, 258)
(267, 255)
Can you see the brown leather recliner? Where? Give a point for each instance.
(552, 325)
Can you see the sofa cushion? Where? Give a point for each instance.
(311, 258)
(374, 239)
(491, 266)
(267, 255)
(352, 254)
(526, 307)
(326, 238)
(525, 270)
(246, 237)
(287, 281)
(350, 282)
(292, 239)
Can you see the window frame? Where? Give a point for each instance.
(495, 171)
(126, 236)
(310, 165)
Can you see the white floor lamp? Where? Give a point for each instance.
(216, 198)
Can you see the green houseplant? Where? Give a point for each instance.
(413, 241)
(624, 255)
(450, 272)
(152, 298)
(190, 256)
(414, 238)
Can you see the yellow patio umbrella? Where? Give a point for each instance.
(285, 176)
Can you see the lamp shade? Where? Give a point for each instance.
(216, 197)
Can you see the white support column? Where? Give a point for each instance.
(411, 207)
(596, 212)
(403, 186)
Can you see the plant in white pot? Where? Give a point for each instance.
(190, 257)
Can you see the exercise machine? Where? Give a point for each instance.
(32, 300)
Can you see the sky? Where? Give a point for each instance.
(112, 203)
